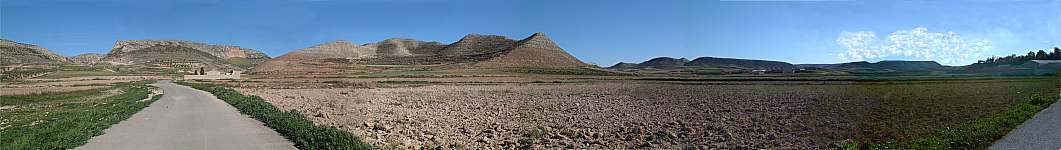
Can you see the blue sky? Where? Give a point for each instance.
(598, 31)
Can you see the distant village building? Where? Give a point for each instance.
(759, 71)
(213, 75)
(1042, 67)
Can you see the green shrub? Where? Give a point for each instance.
(67, 120)
(977, 134)
(290, 124)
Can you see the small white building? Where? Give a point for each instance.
(214, 75)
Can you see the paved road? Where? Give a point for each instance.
(1042, 132)
(186, 118)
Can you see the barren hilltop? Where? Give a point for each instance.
(182, 53)
(472, 51)
(15, 53)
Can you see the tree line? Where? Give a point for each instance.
(1019, 59)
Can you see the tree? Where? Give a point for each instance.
(1056, 55)
(1041, 55)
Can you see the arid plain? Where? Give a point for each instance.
(562, 111)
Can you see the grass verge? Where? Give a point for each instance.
(977, 134)
(290, 124)
(66, 120)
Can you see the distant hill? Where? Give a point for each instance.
(658, 62)
(664, 62)
(741, 63)
(892, 65)
(906, 65)
(472, 51)
(703, 66)
(12, 52)
(88, 58)
(182, 54)
(714, 65)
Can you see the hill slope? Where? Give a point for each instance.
(148, 52)
(88, 58)
(12, 52)
(472, 51)
(536, 51)
(741, 63)
(169, 56)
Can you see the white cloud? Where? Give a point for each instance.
(918, 43)
(860, 45)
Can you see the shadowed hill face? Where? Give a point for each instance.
(665, 61)
(910, 65)
(623, 65)
(474, 44)
(658, 62)
(536, 51)
(12, 52)
(398, 47)
(741, 63)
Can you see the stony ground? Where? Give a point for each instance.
(598, 115)
(635, 114)
(36, 86)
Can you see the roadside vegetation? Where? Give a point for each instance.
(975, 134)
(291, 124)
(69, 119)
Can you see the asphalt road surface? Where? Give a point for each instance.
(1042, 132)
(187, 118)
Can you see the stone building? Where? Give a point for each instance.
(213, 75)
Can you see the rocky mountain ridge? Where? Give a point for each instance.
(220, 51)
(186, 54)
(15, 53)
(473, 50)
(87, 58)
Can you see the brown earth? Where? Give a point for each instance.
(599, 115)
(590, 114)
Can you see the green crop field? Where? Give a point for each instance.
(941, 114)
(80, 71)
(67, 120)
